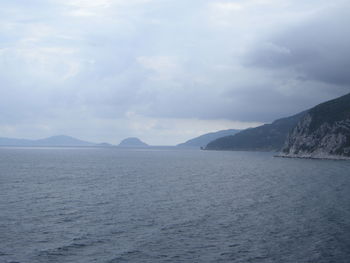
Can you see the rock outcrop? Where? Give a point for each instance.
(324, 132)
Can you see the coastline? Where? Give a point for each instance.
(315, 157)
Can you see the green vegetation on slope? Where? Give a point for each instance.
(268, 137)
(330, 112)
(203, 140)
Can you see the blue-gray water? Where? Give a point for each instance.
(109, 205)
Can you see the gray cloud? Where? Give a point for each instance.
(316, 49)
(104, 70)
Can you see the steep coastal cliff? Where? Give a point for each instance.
(324, 132)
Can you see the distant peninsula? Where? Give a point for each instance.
(320, 132)
(203, 140)
(132, 142)
(268, 137)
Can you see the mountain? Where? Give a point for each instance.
(268, 137)
(60, 141)
(132, 142)
(324, 132)
(204, 139)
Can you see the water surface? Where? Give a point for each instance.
(108, 205)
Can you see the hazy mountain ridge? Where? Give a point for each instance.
(59, 141)
(203, 140)
(323, 133)
(268, 137)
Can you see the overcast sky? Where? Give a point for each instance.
(166, 70)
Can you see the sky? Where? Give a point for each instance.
(166, 70)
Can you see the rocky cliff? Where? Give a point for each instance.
(324, 132)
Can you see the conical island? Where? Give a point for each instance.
(132, 142)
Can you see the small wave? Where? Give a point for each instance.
(129, 256)
(69, 249)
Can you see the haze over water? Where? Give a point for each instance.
(110, 205)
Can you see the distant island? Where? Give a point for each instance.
(203, 140)
(132, 142)
(53, 141)
(67, 141)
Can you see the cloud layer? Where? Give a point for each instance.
(166, 70)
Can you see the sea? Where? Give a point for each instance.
(111, 205)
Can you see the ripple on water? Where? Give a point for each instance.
(98, 205)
